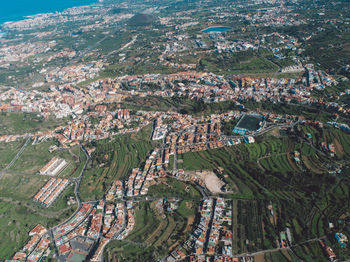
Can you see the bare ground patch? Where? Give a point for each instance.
(338, 148)
(211, 181)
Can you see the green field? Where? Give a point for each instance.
(34, 157)
(19, 214)
(128, 251)
(170, 187)
(304, 200)
(17, 218)
(8, 151)
(249, 226)
(21, 123)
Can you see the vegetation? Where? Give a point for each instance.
(17, 188)
(20, 123)
(170, 187)
(34, 157)
(154, 234)
(8, 151)
(114, 159)
(267, 168)
(141, 20)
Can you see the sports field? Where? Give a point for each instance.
(250, 122)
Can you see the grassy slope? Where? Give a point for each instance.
(19, 123)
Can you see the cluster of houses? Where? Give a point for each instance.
(341, 126)
(102, 124)
(99, 222)
(65, 100)
(173, 47)
(140, 180)
(204, 241)
(328, 148)
(51, 191)
(36, 247)
(95, 224)
(115, 191)
(114, 220)
(104, 221)
(40, 22)
(73, 74)
(21, 52)
(341, 238)
(223, 45)
(65, 232)
(214, 88)
(130, 224)
(94, 126)
(160, 130)
(190, 134)
(197, 138)
(99, 251)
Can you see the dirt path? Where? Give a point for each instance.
(291, 163)
(338, 148)
(190, 221)
(268, 156)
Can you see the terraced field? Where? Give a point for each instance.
(278, 163)
(153, 234)
(114, 160)
(249, 227)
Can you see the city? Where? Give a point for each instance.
(176, 131)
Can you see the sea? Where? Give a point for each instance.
(15, 10)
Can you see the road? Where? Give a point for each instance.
(176, 148)
(15, 158)
(77, 182)
(76, 189)
(122, 48)
(280, 248)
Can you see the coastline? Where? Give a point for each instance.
(49, 10)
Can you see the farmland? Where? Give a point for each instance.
(170, 142)
(22, 214)
(153, 234)
(114, 160)
(267, 168)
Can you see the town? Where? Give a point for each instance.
(176, 131)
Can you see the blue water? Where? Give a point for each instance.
(216, 29)
(14, 10)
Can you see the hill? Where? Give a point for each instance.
(141, 20)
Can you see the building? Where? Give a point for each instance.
(55, 166)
